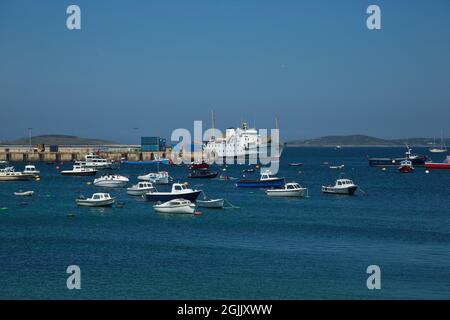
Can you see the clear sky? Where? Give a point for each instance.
(160, 65)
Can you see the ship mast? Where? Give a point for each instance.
(212, 123)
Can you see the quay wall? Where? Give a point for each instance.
(72, 153)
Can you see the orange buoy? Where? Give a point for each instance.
(197, 213)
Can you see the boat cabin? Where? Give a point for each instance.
(101, 196)
(407, 163)
(144, 185)
(180, 187)
(344, 182)
(30, 168)
(292, 186)
(179, 202)
(267, 175)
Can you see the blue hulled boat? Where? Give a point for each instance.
(159, 161)
(267, 180)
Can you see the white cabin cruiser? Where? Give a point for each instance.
(111, 181)
(9, 174)
(162, 177)
(97, 200)
(93, 161)
(141, 188)
(341, 186)
(78, 170)
(31, 169)
(291, 189)
(176, 206)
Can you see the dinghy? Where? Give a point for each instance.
(210, 203)
(24, 193)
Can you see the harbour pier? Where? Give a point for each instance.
(67, 153)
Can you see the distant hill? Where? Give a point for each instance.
(58, 139)
(361, 140)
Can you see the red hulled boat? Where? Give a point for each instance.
(439, 165)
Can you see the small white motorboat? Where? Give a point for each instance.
(176, 206)
(111, 181)
(210, 203)
(337, 167)
(292, 189)
(341, 186)
(162, 177)
(24, 193)
(78, 170)
(97, 200)
(141, 188)
(31, 169)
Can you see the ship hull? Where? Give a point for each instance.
(442, 166)
(164, 197)
(395, 162)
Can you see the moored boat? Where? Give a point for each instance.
(291, 189)
(140, 188)
(417, 160)
(341, 186)
(439, 165)
(31, 169)
(96, 162)
(406, 166)
(78, 170)
(175, 206)
(111, 181)
(211, 203)
(161, 177)
(198, 166)
(267, 180)
(203, 174)
(149, 162)
(24, 193)
(440, 149)
(97, 200)
(9, 174)
(179, 190)
(295, 164)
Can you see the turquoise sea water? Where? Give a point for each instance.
(315, 248)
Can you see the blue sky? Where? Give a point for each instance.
(160, 65)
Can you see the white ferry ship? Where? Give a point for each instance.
(241, 142)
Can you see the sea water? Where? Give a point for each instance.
(268, 248)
